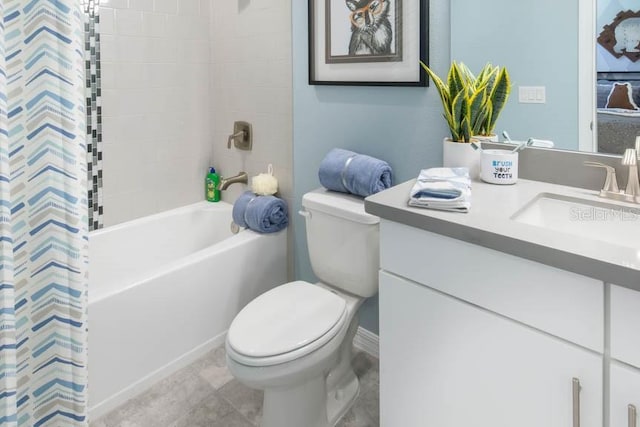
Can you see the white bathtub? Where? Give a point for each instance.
(164, 289)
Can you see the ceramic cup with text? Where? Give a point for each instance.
(499, 167)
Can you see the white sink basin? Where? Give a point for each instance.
(608, 222)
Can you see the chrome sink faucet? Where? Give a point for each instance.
(630, 159)
(610, 188)
(241, 178)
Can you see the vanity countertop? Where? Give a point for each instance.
(489, 223)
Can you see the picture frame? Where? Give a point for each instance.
(618, 39)
(368, 42)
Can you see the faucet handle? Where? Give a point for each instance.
(611, 182)
(630, 159)
(233, 137)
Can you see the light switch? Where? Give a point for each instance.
(532, 94)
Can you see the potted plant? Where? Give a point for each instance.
(471, 105)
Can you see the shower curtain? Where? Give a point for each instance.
(43, 215)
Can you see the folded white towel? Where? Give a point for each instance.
(447, 189)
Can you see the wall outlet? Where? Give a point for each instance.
(532, 94)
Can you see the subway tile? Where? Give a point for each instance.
(110, 101)
(178, 26)
(191, 52)
(200, 29)
(165, 6)
(116, 4)
(279, 74)
(108, 74)
(189, 7)
(161, 74)
(128, 179)
(205, 8)
(278, 20)
(130, 75)
(132, 132)
(144, 5)
(108, 50)
(196, 75)
(154, 25)
(174, 89)
(128, 22)
(128, 49)
(161, 50)
(107, 16)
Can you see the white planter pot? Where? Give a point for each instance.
(460, 154)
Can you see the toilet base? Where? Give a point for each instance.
(297, 406)
(320, 401)
(342, 383)
(340, 401)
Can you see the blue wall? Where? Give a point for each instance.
(537, 40)
(403, 126)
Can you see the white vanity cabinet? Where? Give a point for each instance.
(625, 325)
(475, 337)
(624, 391)
(625, 355)
(446, 363)
(486, 318)
(564, 304)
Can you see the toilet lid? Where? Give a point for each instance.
(285, 319)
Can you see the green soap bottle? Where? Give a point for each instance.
(211, 183)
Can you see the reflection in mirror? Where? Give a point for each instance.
(538, 41)
(618, 68)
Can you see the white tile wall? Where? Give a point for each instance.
(156, 105)
(251, 81)
(176, 74)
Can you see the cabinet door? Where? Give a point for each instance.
(625, 325)
(446, 363)
(559, 302)
(625, 391)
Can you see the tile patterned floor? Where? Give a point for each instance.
(205, 394)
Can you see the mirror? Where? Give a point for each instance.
(618, 71)
(547, 47)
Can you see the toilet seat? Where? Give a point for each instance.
(285, 323)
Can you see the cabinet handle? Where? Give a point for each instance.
(632, 416)
(576, 402)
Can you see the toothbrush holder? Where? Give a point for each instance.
(499, 167)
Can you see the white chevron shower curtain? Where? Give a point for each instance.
(43, 215)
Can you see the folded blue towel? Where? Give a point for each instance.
(349, 172)
(447, 189)
(264, 214)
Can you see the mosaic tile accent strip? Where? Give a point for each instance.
(94, 112)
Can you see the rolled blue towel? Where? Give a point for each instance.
(264, 214)
(349, 172)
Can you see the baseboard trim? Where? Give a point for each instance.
(367, 341)
(138, 387)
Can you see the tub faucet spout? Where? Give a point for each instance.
(241, 178)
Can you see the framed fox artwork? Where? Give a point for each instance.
(368, 42)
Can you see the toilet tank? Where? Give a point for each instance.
(343, 241)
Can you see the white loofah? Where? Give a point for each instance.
(265, 184)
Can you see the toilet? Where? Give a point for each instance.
(294, 341)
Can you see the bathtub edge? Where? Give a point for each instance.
(156, 376)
